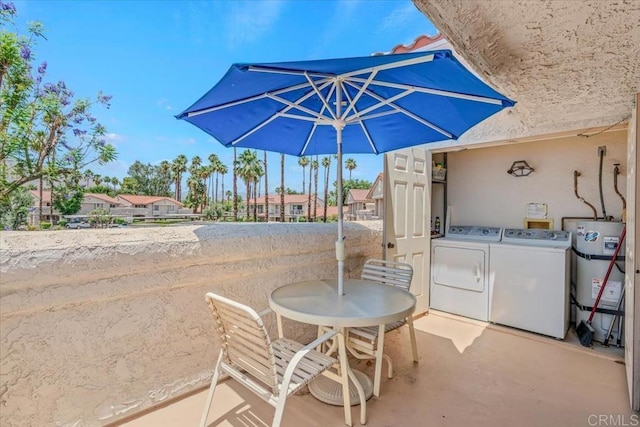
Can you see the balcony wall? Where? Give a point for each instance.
(98, 324)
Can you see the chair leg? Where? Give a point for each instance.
(412, 335)
(379, 357)
(344, 370)
(277, 418)
(389, 365)
(212, 390)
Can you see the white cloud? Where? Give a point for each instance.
(187, 141)
(398, 18)
(164, 103)
(249, 21)
(114, 138)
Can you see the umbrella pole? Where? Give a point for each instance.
(340, 242)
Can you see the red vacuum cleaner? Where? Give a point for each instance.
(585, 330)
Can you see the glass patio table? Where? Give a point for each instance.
(364, 303)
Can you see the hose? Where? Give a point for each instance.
(616, 172)
(576, 174)
(604, 210)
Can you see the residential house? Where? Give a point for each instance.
(295, 207)
(148, 206)
(48, 212)
(376, 193)
(359, 205)
(93, 201)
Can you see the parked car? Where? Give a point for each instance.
(78, 224)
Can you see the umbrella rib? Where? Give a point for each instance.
(352, 105)
(315, 125)
(386, 101)
(407, 113)
(420, 89)
(275, 70)
(278, 114)
(391, 65)
(250, 99)
(324, 101)
(295, 105)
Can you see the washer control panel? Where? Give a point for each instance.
(474, 232)
(537, 237)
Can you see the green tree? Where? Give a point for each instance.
(315, 165)
(248, 168)
(235, 184)
(350, 165)
(178, 168)
(346, 186)
(304, 162)
(150, 180)
(222, 170)
(44, 131)
(266, 188)
(14, 209)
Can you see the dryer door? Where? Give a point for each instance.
(461, 268)
(459, 280)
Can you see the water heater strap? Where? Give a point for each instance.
(596, 257)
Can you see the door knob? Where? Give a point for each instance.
(390, 245)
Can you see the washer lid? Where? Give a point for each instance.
(474, 232)
(537, 237)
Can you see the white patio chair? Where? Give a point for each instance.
(365, 339)
(271, 369)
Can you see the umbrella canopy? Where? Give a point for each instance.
(368, 104)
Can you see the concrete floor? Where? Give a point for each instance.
(470, 373)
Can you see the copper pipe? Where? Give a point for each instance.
(576, 174)
(616, 172)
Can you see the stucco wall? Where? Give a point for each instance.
(98, 324)
(481, 192)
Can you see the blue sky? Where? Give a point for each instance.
(157, 57)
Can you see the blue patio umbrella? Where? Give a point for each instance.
(368, 104)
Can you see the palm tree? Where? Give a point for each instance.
(247, 167)
(88, 176)
(107, 180)
(214, 163)
(314, 164)
(281, 187)
(222, 170)
(229, 194)
(97, 179)
(116, 183)
(266, 189)
(309, 198)
(350, 165)
(326, 163)
(194, 172)
(235, 184)
(303, 161)
(179, 167)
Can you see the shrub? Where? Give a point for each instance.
(63, 223)
(45, 225)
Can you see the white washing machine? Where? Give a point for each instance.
(530, 290)
(460, 276)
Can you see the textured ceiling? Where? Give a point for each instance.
(569, 64)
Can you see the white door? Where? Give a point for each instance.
(632, 263)
(407, 195)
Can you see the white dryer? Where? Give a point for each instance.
(531, 286)
(460, 276)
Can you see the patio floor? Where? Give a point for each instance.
(470, 373)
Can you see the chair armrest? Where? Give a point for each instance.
(301, 354)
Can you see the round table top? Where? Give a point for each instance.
(364, 303)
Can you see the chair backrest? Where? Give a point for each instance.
(245, 342)
(388, 272)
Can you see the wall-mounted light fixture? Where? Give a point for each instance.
(520, 168)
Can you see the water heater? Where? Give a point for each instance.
(596, 242)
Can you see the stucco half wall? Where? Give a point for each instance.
(98, 324)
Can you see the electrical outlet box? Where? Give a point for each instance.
(602, 150)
